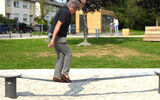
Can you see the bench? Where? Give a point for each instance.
(152, 33)
(10, 85)
(158, 73)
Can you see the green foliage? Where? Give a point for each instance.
(41, 33)
(129, 14)
(92, 6)
(39, 21)
(44, 22)
(152, 6)
(44, 33)
(45, 8)
(51, 21)
(6, 20)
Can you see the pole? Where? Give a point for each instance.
(31, 34)
(96, 32)
(20, 35)
(159, 85)
(10, 34)
(10, 87)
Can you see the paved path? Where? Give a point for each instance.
(87, 84)
(79, 35)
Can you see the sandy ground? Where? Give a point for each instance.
(91, 84)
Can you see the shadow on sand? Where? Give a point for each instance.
(77, 86)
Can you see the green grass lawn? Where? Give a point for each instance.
(135, 32)
(103, 53)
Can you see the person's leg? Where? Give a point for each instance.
(67, 60)
(59, 62)
(115, 29)
(67, 51)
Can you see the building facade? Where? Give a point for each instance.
(26, 10)
(52, 5)
(21, 10)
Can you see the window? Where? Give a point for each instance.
(16, 4)
(53, 9)
(8, 1)
(25, 17)
(47, 18)
(57, 9)
(8, 15)
(25, 5)
(16, 16)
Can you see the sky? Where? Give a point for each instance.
(61, 0)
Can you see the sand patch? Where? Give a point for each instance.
(109, 49)
(114, 50)
(39, 54)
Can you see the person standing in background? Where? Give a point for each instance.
(116, 24)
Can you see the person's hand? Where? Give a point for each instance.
(51, 44)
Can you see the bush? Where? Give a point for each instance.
(51, 21)
(6, 20)
(39, 21)
(41, 33)
(44, 33)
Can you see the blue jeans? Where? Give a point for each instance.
(116, 29)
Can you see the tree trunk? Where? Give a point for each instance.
(85, 43)
(85, 29)
(42, 26)
(157, 17)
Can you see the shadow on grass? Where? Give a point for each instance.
(103, 41)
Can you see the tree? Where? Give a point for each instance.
(129, 14)
(43, 11)
(6, 20)
(152, 6)
(90, 6)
